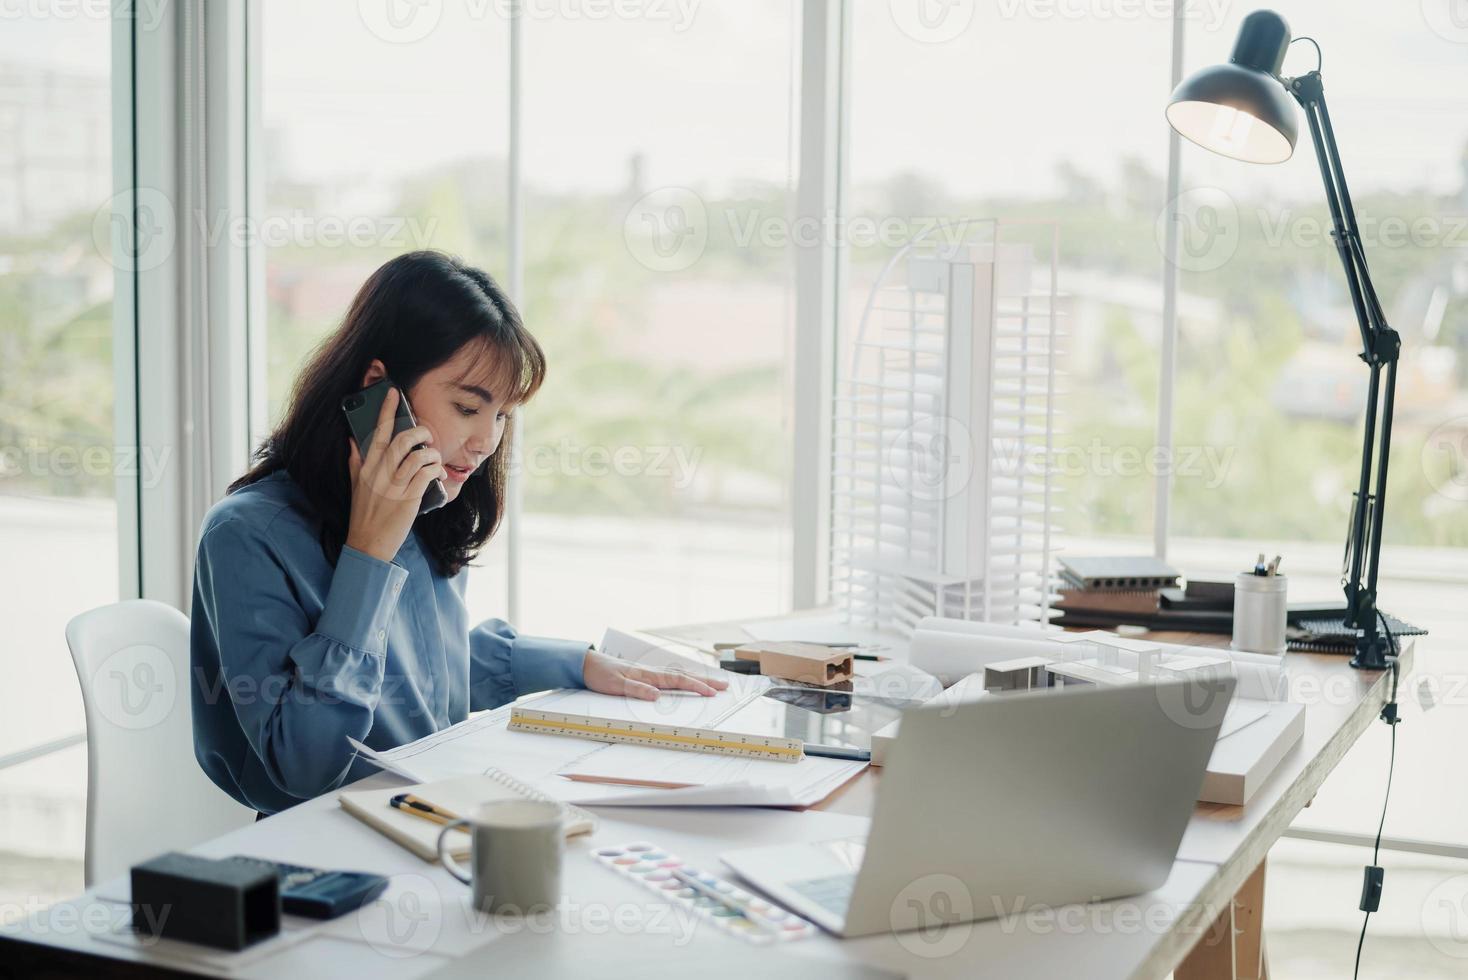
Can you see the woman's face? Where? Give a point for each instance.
(458, 405)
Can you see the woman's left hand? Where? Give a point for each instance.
(608, 675)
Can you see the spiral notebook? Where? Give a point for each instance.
(1327, 634)
(461, 795)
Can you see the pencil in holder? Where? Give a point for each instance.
(1260, 611)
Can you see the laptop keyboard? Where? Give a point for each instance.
(832, 893)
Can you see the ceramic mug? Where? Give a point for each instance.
(515, 861)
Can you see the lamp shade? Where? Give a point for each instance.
(1241, 109)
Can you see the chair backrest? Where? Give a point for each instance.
(146, 793)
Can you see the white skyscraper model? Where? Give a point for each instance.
(943, 494)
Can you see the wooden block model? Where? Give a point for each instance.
(809, 663)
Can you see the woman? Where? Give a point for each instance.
(324, 605)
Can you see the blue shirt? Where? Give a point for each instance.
(291, 655)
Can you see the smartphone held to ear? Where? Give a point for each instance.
(362, 409)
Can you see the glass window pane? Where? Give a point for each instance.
(58, 462)
(43, 814)
(390, 138)
(1269, 375)
(984, 111)
(659, 277)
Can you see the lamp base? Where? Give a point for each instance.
(1372, 653)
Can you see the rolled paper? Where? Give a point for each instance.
(950, 656)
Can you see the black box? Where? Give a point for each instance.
(225, 904)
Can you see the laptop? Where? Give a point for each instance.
(1011, 802)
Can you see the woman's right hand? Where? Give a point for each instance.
(389, 484)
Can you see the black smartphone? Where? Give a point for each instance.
(362, 409)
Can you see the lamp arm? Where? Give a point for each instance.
(1353, 241)
(1310, 93)
(1381, 346)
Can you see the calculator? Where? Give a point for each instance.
(318, 894)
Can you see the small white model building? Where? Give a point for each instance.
(1022, 674)
(1097, 657)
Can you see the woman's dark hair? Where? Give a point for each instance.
(413, 314)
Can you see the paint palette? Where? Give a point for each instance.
(723, 903)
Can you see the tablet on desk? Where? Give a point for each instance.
(818, 715)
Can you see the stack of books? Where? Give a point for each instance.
(1103, 593)
(1118, 574)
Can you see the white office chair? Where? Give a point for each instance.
(145, 791)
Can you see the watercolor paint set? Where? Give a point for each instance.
(723, 903)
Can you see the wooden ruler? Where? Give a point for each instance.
(659, 736)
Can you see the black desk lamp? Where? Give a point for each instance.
(1243, 110)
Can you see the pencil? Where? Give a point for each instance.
(421, 808)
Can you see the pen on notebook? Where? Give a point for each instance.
(838, 752)
(417, 807)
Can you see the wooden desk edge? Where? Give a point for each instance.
(1230, 876)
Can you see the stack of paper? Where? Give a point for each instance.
(741, 782)
(576, 770)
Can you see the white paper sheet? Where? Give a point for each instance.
(480, 743)
(822, 629)
(484, 741)
(1261, 677)
(951, 655)
(178, 954)
(802, 783)
(731, 794)
(647, 650)
(682, 709)
(385, 762)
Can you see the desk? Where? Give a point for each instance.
(1221, 934)
(424, 926)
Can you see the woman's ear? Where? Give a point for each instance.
(376, 371)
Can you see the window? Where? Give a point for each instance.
(1267, 387)
(654, 462)
(658, 274)
(939, 133)
(390, 138)
(58, 458)
(1268, 374)
(1268, 368)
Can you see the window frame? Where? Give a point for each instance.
(127, 488)
(127, 420)
(820, 271)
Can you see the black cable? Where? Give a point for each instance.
(1319, 58)
(1374, 873)
(1376, 848)
(1391, 642)
(1356, 973)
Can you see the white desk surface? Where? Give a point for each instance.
(609, 927)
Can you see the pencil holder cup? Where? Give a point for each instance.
(1260, 610)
